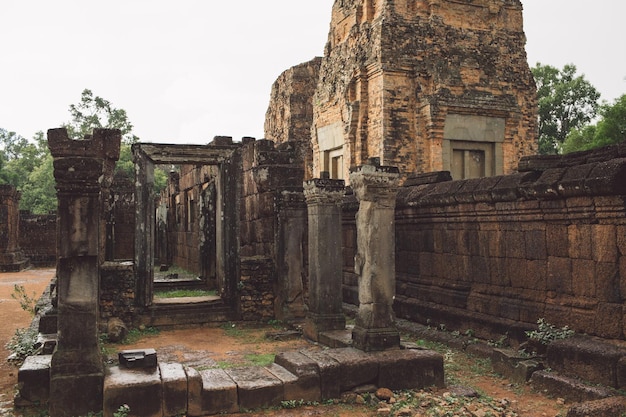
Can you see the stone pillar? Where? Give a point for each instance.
(323, 198)
(12, 258)
(375, 187)
(83, 171)
(289, 303)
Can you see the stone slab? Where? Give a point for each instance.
(329, 371)
(140, 389)
(297, 363)
(219, 392)
(33, 378)
(305, 387)
(335, 338)
(572, 390)
(356, 367)
(304, 368)
(588, 358)
(409, 369)
(174, 380)
(194, 392)
(256, 387)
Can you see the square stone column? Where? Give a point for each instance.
(82, 170)
(375, 187)
(324, 198)
(12, 258)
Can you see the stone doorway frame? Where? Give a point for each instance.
(222, 152)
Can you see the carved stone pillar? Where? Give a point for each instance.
(375, 187)
(289, 303)
(324, 197)
(12, 258)
(82, 169)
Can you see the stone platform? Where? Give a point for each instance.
(310, 375)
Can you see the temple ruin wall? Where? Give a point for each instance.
(493, 255)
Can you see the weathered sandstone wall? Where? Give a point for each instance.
(495, 254)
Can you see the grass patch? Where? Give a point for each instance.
(242, 333)
(184, 293)
(252, 359)
(261, 359)
(135, 334)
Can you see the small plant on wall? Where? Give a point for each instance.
(547, 333)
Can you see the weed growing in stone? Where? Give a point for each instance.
(547, 333)
(22, 344)
(27, 303)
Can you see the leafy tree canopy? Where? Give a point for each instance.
(27, 165)
(566, 101)
(609, 130)
(19, 157)
(93, 112)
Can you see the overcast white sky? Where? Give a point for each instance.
(189, 70)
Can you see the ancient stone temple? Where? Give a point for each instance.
(424, 85)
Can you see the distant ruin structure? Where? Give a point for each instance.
(426, 85)
(12, 258)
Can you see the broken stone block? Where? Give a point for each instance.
(571, 389)
(357, 367)
(218, 394)
(140, 389)
(514, 366)
(34, 379)
(256, 387)
(138, 358)
(174, 380)
(329, 371)
(305, 388)
(409, 369)
(305, 369)
(194, 392)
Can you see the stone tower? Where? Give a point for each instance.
(424, 85)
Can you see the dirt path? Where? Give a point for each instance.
(12, 317)
(237, 344)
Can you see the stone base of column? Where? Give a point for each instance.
(13, 262)
(76, 395)
(314, 324)
(372, 340)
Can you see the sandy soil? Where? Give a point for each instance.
(13, 317)
(235, 343)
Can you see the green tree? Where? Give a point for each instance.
(609, 130)
(39, 192)
(94, 112)
(19, 157)
(566, 101)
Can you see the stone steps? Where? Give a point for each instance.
(307, 375)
